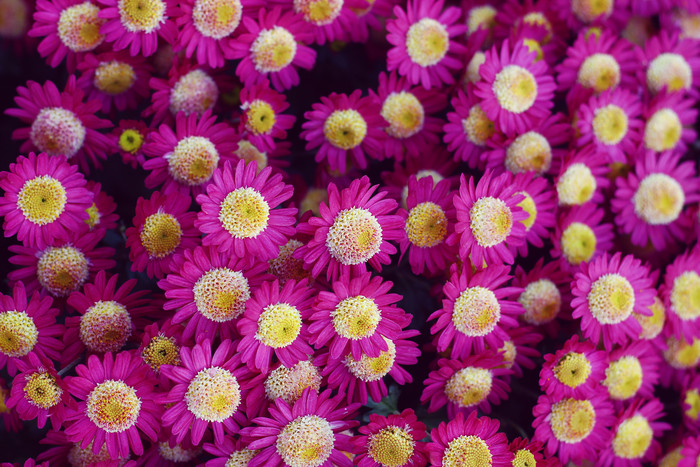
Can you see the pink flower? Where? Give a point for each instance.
(575, 370)
(383, 441)
(262, 118)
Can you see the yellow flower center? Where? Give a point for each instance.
(244, 213)
(345, 129)
(476, 311)
(306, 441)
(42, 200)
(354, 237)
(573, 369)
(427, 42)
(572, 420)
(610, 124)
(534, 46)
(611, 299)
(289, 383)
(217, 18)
(161, 234)
(18, 333)
(240, 458)
(62, 270)
(672, 458)
(285, 266)
(469, 386)
(524, 458)
(250, 153)
(221, 294)
(114, 77)
(405, 114)
(633, 438)
(529, 152)
(578, 243)
(105, 326)
(356, 317)
(587, 11)
(113, 406)
(143, 16)
(515, 88)
(93, 216)
(528, 205)
(682, 355)
(213, 394)
(654, 324)
(623, 377)
(669, 70)
(471, 74)
(692, 398)
(79, 27)
(685, 295)
(663, 130)
(130, 141)
(509, 352)
(599, 72)
(688, 23)
(576, 185)
(260, 117)
(477, 126)
(391, 446)
(541, 300)
(79, 457)
(483, 16)
(467, 450)
(369, 369)
(319, 12)
(279, 325)
(161, 350)
(195, 92)
(41, 390)
(426, 225)
(273, 50)
(490, 221)
(193, 160)
(57, 131)
(659, 199)
(535, 18)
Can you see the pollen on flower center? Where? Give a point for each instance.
(194, 92)
(659, 199)
(685, 295)
(345, 129)
(306, 441)
(143, 16)
(57, 131)
(105, 326)
(113, 406)
(42, 199)
(469, 386)
(490, 221)
(587, 11)
(130, 141)
(573, 369)
(62, 270)
(213, 394)
(483, 16)
(260, 117)
(692, 398)
(285, 266)
(576, 185)
(524, 458)
(241, 458)
(354, 237)
(633, 438)
(476, 311)
(477, 126)
(623, 377)
(471, 73)
(427, 42)
(221, 294)
(193, 160)
(391, 446)
(528, 205)
(515, 88)
(611, 299)
(217, 18)
(356, 317)
(289, 383)
(273, 50)
(93, 216)
(529, 152)
(319, 12)
(244, 213)
(161, 350)
(600, 72)
(405, 114)
(370, 369)
(249, 153)
(114, 77)
(663, 130)
(80, 457)
(467, 450)
(654, 324)
(682, 355)
(669, 70)
(79, 27)
(41, 390)
(572, 420)
(278, 325)
(426, 225)
(578, 243)
(541, 300)
(18, 333)
(610, 124)
(160, 234)
(509, 352)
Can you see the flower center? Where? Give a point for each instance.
(529, 152)
(611, 299)
(427, 42)
(573, 369)
(578, 243)
(633, 438)
(176, 454)
(213, 395)
(528, 205)
(659, 199)
(587, 11)
(114, 77)
(285, 266)
(481, 17)
(610, 124)
(250, 153)
(289, 383)
(490, 221)
(541, 300)
(623, 377)
(370, 369)
(467, 450)
(142, 16)
(356, 317)
(426, 225)
(682, 355)
(692, 398)
(654, 324)
(221, 294)
(113, 406)
(161, 234)
(57, 131)
(476, 312)
(669, 70)
(469, 386)
(193, 160)
(41, 390)
(477, 126)
(524, 458)
(600, 72)
(130, 141)
(319, 12)
(279, 325)
(195, 92)
(62, 270)
(405, 114)
(354, 237)
(471, 74)
(685, 295)
(536, 18)
(572, 420)
(576, 185)
(244, 213)
(663, 130)
(161, 350)
(105, 326)
(345, 129)
(515, 88)
(217, 18)
(18, 333)
(307, 441)
(273, 50)
(93, 216)
(260, 117)
(42, 200)
(79, 27)
(241, 458)
(391, 446)
(509, 352)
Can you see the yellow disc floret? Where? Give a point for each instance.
(161, 234)
(663, 130)
(345, 129)
(195, 92)
(142, 16)
(114, 77)
(161, 350)
(671, 71)
(41, 390)
(541, 300)
(659, 199)
(42, 200)
(483, 16)
(391, 446)
(244, 213)
(528, 205)
(426, 225)
(682, 355)
(611, 299)
(221, 294)
(524, 458)
(599, 72)
(578, 243)
(260, 117)
(289, 383)
(477, 126)
(213, 394)
(273, 50)
(62, 270)
(354, 237)
(469, 386)
(278, 325)
(692, 399)
(610, 124)
(467, 450)
(490, 221)
(515, 88)
(18, 333)
(356, 317)
(404, 113)
(476, 311)
(529, 152)
(105, 326)
(79, 27)
(633, 438)
(57, 131)
(319, 12)
(370, 369)
(217, 18)
(588, 11)
(576, 185)
(193, 161)
(573, 369)
(685, 295)
(654, 324)
(307, 441)
(427, 42)
(113, 406)
(130, 141)
(572, 420)
(624, 377)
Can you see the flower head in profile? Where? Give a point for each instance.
(394, 440)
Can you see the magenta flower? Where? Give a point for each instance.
(128, 138)
(632, 372)
(540, 204)
(468, 129)
(681, 284)
(580, 236)
(583, 177)
(545, 292)
(575, 370)
(262, 118)
(669, 119)
(101, 214)
(670, 63)
(391, 440)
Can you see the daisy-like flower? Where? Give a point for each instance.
(423, 49)
(480, 16)
(341, 126)
(391, 440)
(670, 63)
(45, 199)
(353, 229)
(184, 160)
(116, 405)
(487, 216)
(238, 211)
(544, 291)
(648, 202)
(476, 311)
(327, 20)
(580, 236)
(579, 14)
(573, 428)
(575, 370)
(471, 440)
(65, 451)
(468, 129)
(540, 204)
(528, 453)
(632, 372)
(101, 213)
(129, 138)
(309, 432)
(669, 120)
(60, 123)
(680, 293)
(262, 117)
(229, 453)
(163, 226)
(681, 356)
(160, 345)
(653, 324)
(136, 24)
(476, 382)
(583, 177)
(605, 292)
(274, 47)
(516, 91)
(276, 158)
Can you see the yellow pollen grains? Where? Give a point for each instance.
(471, 73)
(105, 326)
(273, 50)
(244, 213)
(542, 302)
(289, 383)
(599, 72)
(130, 141)
(682, 355)
(391, 446)
(685, 295)
(476, 312)
(610, 124)
(534, 46)
(426, 225)
(221, 294)
(427, 42)
(260, 117)
(161, 350)
(624, 377)
(633, 438)
(93, 216)
(572, 420)
(528, 205)
(195, 92)
(477, 126)
(217, 18)
(278, 325)
(370, 369)
(573, 369)
(240, 458)
(659, 199)
(354, 237)
(79, 27)
(654, 324)
(160, 234)
(57, 131)
(113, 406)
(483, 16)
(467, 450)
(671, 71)
(41, 390)
(578, 243)
(515, 88)
(469, 386)
(692, 399)
(490, 221)
(356, 317)
(404, 113)
(114, 77)
(529, 152)
(213, 394)
(62, 270)
(576, 185)
(143, 16)
(319, 12)
(524, 458)
(345, 129)
(193, 160)
(250, 153)
(18, 333)
(587, 11)
(509, 352)
(663, 130)
(42, 200)
(611, 299)
(306, 441)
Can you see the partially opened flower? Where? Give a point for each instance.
(670, 63)
(544, 291)
(540, 204)
(575, 370)
(529, 453)
(468, 129)
(679, 292)
(262, 117)
(327, 20)
(583, 177)
(580, 236)
(669, 119)
(128, 139)
(391, 440)
(633, 372)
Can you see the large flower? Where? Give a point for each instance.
(670, 63)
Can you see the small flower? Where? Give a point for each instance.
(670, 63)
(229, 453)
(653, 324)
(575, 370)
(468, 129)
(668, 124)
(262, 117)
(160, 345)
(286, 267)
(679, 291)
(539, 203)
(101, 213)
(581, 13)
(632, 372)
(129, 138)
(391, 440)
(328, 20)
(583, 177)
(579, 236)
(520, 351)
(544, 291)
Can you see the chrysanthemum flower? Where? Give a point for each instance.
(575, 370)
(163, 226)
(136, 24)
(583, 177)
(160, 345)
(262, 118)
(669, 120)
(327, 20)
(468, 128)
(681, 356)
(690, 452)
(101, 213)
(229, 453)
(573, 428)
(632, 372)
(391, 440)
(471, 440)
(681, 295)
(274, 47)
(529, 453)
(579, 14)
(606, 291)
(480, 16)
(370, 16)
(520, 351)
(544, 291)
(670, 63)
(513, 14)
(60, 123)
(653, 324)
(487, 219)
(422, 49)
(341, 126)
(540, 204)
(306, 433)
(286, 267)
(129, 138)
(580, 236)
(165, 454)
(276, 158)
(115, 405)
(238, 211)
(45, 199)
(476, 311)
